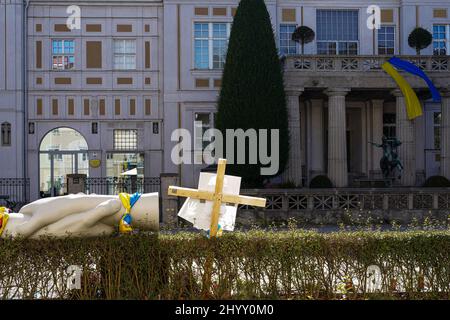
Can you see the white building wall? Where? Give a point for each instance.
(11, 105)
(140, 16)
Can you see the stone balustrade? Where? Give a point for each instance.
(362, 63)
(348, 198)
(359, 72)
(333, 206)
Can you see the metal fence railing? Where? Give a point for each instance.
(14, 192)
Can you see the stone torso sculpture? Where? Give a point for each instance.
(81, 215)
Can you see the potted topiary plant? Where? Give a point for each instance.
(303, 35)
(419, 39)
(321, 182)
(437, 182)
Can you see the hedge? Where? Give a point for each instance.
(252, 265)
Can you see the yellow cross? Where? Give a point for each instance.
(217, 196)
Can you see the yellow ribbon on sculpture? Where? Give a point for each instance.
(3, 219)
(413, 107)
(128, 202)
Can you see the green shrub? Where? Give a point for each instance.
(253, 265)
(321, 182)
(437, 182)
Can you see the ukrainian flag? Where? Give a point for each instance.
(413, 106)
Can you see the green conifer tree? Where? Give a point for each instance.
(252, 94)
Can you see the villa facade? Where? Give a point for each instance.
(104, 99)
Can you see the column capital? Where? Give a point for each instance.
(331, 92)
(292, 91)
(377, 102)
(397, 93)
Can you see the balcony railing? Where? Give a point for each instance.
(361, 63)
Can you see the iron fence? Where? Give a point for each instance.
(14, 192)
(114, 185)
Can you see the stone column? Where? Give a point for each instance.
(337, 137)
(405, 133)
(445, 133)
(293, 172)
(377, 134)
(317, 133)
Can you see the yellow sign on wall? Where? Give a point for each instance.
(95, 163)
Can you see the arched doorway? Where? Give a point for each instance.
(62, 151)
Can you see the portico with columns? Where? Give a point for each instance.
(332, 126)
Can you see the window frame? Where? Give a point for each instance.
(116, 143)
(385, 41)
(338, 43)
(124, 54)
(446, 39)
(390, 125)
(63, 54)
(297, 45)
(210, 40)
(6, 134)
(198, 144)
(437, 130)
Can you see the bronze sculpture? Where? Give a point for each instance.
(390, 160)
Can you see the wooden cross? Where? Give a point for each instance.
(217, 197)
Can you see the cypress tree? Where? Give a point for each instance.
(252, 94)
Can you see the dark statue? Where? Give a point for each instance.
(390, 161)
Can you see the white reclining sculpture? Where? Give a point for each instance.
(80, 215)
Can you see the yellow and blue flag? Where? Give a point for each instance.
(415, 70)
(413, 106)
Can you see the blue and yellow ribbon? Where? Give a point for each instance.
(128, 201)
(219, 232)
(413, 106)
(4, 217)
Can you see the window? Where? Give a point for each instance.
(124, 54)
(287, 46)
(337, 32)
(201, 124)
(119, 163)
(210, 44)
(125, 139)
(63, 54)
(6, 134)
(386, 40)
(441, 39)
(389, 120)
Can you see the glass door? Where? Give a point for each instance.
(63, 164)
(55, 166)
